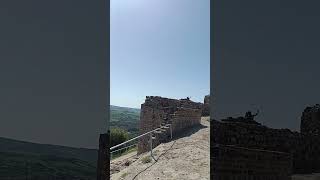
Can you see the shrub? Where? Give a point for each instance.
(117, 136)
(146, 159)
(124, 175)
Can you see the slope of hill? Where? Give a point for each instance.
(15, 146)
(185, 157)
(125, 118)
(19, 159)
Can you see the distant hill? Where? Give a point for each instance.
(19, 159)
(125, 118)
(45, 161)
(124, 109)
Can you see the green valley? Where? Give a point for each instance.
(125, 118)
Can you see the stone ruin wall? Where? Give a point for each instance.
(310, 121)
(236, 163)
(304, 146)
(206, 106)
(157, 111)
(103, 161)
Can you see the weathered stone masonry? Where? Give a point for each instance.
(157, 111)
(310, 120)
(103, 162)
(304, 146)
(232, 162)
(206, 106)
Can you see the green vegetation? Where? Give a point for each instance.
(40, 161)
(124, 152)
(18, 166)
(123, 126)
(118, 135)
(23, 147)
(146, 159)
(124, 175)
(125, 118)
(19, 159)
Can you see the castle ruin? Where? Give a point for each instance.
(303, 147)
(234, 162)
(206, 106)
(157, 111)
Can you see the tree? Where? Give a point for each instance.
(117, 136)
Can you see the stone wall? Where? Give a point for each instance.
(157, 111)
(103, 162)
(236, 163)
(304, 147)
(310, 120)
(206, 106)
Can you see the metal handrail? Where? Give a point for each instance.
(123, 148)
(112, 148)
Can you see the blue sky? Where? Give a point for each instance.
(159, 47)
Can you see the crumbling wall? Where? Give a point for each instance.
(185, 118)
(103, 162)
(157, 111)
(232, 162)
(304, 147)
(310, 120)
(206, 106)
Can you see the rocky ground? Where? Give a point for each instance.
(185, 157)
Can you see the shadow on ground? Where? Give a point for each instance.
(188, 132)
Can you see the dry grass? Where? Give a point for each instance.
(124, 175)
(146, 159)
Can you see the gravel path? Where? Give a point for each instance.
(183, 158)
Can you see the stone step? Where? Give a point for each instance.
(158, 132)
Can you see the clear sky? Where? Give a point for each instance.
(267, 57)
(52, 72)
(159, 47)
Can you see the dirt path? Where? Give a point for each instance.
(184, 158)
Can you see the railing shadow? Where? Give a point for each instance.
(188, 131)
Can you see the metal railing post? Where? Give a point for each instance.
(140, 136)
(119, 145)
(151, 145)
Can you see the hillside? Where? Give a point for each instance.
(44, 161)
(19, 159)
(186, 157)
(125, 118)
